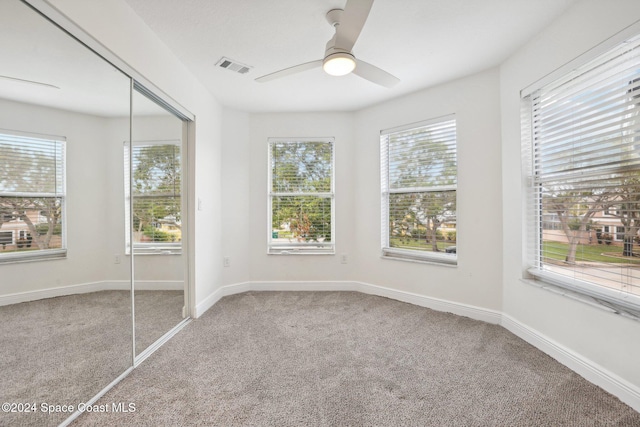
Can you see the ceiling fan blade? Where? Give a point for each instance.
(375, 74)
(291, 70)
(32, 82)
(353, 18)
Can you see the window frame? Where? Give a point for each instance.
(60, 144)
(388, 252)
(318, 248)
(613, 299)
(148, 248)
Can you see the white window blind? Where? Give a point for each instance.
(156, 183)
(32, 197)
(419, 184)
(301, 196)
(582, 133)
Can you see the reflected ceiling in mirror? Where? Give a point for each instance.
(43, 65)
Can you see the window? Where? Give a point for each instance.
(301, 208)
(582, 134)
(418, 169)
(157, 201)
(6, 238)
(32, 197)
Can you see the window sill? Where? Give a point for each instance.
(155, 253)
(151, 249)
(16, 257)
(443, 261)
(300, 252)
(152, 253)
(611, 300)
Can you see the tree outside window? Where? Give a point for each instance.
(32, 194)
(419, 186)
(156, 196)
(301, 196)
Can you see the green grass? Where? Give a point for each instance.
(587, 253)
(417, 244)
(283, 234)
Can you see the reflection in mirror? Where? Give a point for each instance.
(65, 287)
(158, 216)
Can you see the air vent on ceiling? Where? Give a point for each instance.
(232, 65)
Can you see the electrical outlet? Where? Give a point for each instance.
(226, 261)
(344, 258)
(116, 259)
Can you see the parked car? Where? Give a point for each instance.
(450, 250)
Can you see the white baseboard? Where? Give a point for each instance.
(159, 285)
(304, 286)
(143, 285)
(83, 288)
(215, 296)
(623, 390)
(50, 293)
(238, 288)
(473, 312)
(478, 313)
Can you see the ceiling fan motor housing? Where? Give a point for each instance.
(333, 16)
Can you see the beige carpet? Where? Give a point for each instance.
(64, 350)
(157, 312)
(342, 358)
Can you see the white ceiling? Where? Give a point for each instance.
(422, 42)
(70, 76)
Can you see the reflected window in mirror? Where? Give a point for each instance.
(32, 197)
(157, 197)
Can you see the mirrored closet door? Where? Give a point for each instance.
(157, 164)
(92, 220)
(65, 287)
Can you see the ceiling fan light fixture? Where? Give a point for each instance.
(338, 60)
(339, 64)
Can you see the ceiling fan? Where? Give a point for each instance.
(338, 57)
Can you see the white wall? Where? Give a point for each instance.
(95, 199)
(236, 190)
(265, 267)
(476, 280)
(120, 30)
(87, 186)
(117, 132)
(606, 339)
